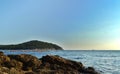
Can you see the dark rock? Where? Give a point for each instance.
(1, 53)
(28, 64)
(4, 69)
(59, 62)
(90, 70)
(14, 63)
(30, 73)
(3, 60)
(15, 71)
(64, 66)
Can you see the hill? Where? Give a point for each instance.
(34, 44)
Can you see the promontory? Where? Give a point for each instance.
(34, 44)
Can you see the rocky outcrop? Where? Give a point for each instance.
(49, 64)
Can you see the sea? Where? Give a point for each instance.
(104, 61)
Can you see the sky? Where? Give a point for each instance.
(72, 24)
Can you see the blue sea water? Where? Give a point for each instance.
(104, 61)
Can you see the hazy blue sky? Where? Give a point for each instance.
(73, 24)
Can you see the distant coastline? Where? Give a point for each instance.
(32, 45)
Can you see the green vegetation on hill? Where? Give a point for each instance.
(32, 45)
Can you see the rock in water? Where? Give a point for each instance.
(49, 64)
(59, 65)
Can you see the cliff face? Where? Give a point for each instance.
(32, 45)
(49, 64)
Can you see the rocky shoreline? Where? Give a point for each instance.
(49, 64)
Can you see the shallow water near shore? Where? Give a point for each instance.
(104, 61)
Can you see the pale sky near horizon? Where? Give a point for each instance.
(73, 24)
